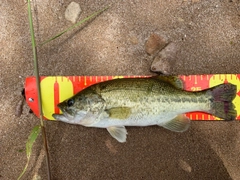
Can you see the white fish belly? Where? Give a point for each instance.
(156, 114)
(133, 121)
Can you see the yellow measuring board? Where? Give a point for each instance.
(56, 89)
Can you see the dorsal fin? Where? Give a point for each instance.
(173, 80)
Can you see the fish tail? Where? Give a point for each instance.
(222, 105)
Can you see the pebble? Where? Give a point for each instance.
(184, 166)
(165, 59)
(72, 12)
(154, 44)
(36, 177)
(110, 146)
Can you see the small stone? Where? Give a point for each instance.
(180, 19)
(36, 177)
(165, 59)
(110, 146)
(72, 12)
(154, 44)
(184, 166)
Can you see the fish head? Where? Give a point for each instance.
(83, 108)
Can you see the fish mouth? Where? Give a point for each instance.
(65, 115)
(69, 116)
(84, 118)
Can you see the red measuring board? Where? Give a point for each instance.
(56, 89)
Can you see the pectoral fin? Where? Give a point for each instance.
(119, 112)
(119, 133)
(179, 124)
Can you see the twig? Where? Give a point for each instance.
(75, 25)
(36, 73)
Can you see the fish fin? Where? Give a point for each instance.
(222, 96)
(179, 124)
(119, 133)
(173, 80)
(119, 112)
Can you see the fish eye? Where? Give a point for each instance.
(70, 102)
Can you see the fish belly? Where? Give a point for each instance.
(156, 114)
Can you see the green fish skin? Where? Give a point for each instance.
(150, 101)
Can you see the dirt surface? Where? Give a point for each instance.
(208, 35)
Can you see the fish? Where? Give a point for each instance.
(157, 100)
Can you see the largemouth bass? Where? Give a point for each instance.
(158, 100)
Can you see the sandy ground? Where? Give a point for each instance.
(208, 35)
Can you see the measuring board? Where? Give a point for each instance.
(56, 89)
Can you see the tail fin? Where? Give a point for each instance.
(222, 106)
